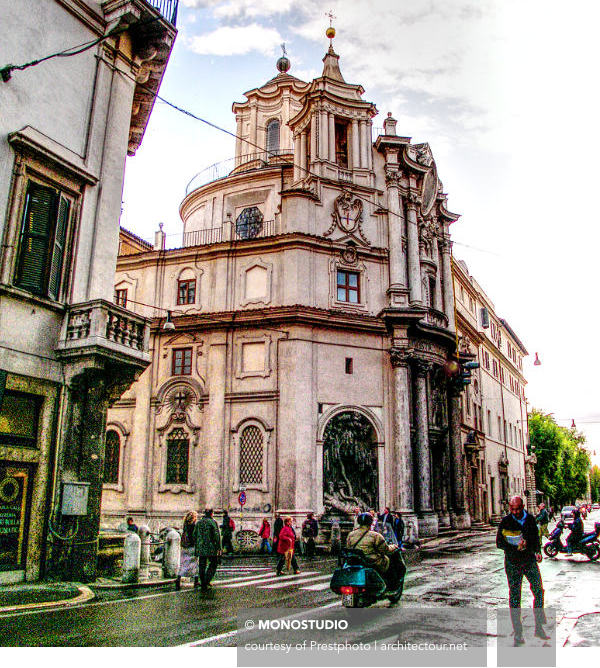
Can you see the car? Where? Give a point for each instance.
(567, 513)
(595, 506)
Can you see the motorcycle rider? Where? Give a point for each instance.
(384, 558)
(576, 531)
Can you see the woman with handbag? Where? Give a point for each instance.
(285, 547)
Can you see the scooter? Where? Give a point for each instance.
(588, 544)
(359, 584)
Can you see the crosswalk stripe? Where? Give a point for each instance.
(279, 585)
(262, 579)
(247, 578)
(244, 568)
(320, 586)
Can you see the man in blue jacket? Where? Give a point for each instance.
(519, 538)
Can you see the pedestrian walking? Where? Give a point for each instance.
(277, 527)
(519, 538)
(310, 530)
(399, 528)
(208, 547)
(542, 519)
(285, 548)
(264, 532)
(188, 562)
(227, 529)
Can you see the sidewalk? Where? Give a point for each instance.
(28, 596)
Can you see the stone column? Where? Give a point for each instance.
(323, 131)
(253, 128)
(89, 466)
(355, 145)
(238, 140)
(438, 304)
(459, 515)
(398, 292)
(445, 247)
(363, 144)
(401, 443)
(414, 262)
(370, 144)
(297, 151)
(302, 167)
(428, 525)
(332, 137)
(444, 514)
(313, 137)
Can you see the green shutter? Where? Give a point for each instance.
(36, 233)
(58, 252)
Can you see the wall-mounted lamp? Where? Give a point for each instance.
(536, 361)
(169, 325)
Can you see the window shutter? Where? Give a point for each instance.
(58, 252)
(40, 211)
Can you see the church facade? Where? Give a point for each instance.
(313, 310)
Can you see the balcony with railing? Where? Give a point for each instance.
(167, 9)
(229, 231)
(108, 332)
(239, 164)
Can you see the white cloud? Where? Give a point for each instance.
(239, 40)
(254, 8)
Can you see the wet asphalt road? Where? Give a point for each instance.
(464, 572)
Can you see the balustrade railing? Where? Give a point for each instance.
(230, 232)
(168, 9)
(106, 328)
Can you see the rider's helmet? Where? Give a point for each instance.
(364, 520)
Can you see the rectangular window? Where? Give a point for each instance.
(431, 292)
(19, 419)
(489, 417)
(182, 362)
(341, 144)
(178, 451)
(186, 292)
(348, 365)
(348, 287)
(42, 241)
(121, 298)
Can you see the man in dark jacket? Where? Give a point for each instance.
(208, 547)
(519, 538)
(227, 528)
(310, 529)
(577, 530)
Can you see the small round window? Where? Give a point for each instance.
(249, 223)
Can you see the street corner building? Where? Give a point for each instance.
(67, 351)
(314, 320)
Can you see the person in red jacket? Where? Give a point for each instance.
(285, 547)
(264, 532)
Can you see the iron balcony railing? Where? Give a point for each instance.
(215, 235)
(240, 163)
(168, 9)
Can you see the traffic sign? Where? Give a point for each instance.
(242, 498)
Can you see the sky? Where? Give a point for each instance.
(504, 91)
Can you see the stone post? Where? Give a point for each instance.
(144, 534)
(131, 558)
(459, 515)
(414, 262)
(445, 247)
(401, 444)
(428, 525)
(172, 554)
(398, 292)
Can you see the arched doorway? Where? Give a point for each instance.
(350, 466)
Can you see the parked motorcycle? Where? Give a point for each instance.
(588, 544)
(359, 584)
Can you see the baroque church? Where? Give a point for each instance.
(302, 331)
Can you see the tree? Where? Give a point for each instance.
(563, 463)
(595, 483)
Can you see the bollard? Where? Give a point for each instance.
(144, 534)
(172, 554)
(131, 558)
(336, 537)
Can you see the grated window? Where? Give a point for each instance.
(251, 456)
(177, 457)
(111, 457)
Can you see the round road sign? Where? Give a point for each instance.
(242, 498)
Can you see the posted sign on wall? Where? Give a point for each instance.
(13, 504)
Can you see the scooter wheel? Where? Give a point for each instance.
(551, 550)
(593, 552)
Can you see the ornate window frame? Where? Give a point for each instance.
(123, 433)
(236, 434)
(338, 264)
(186, 416)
